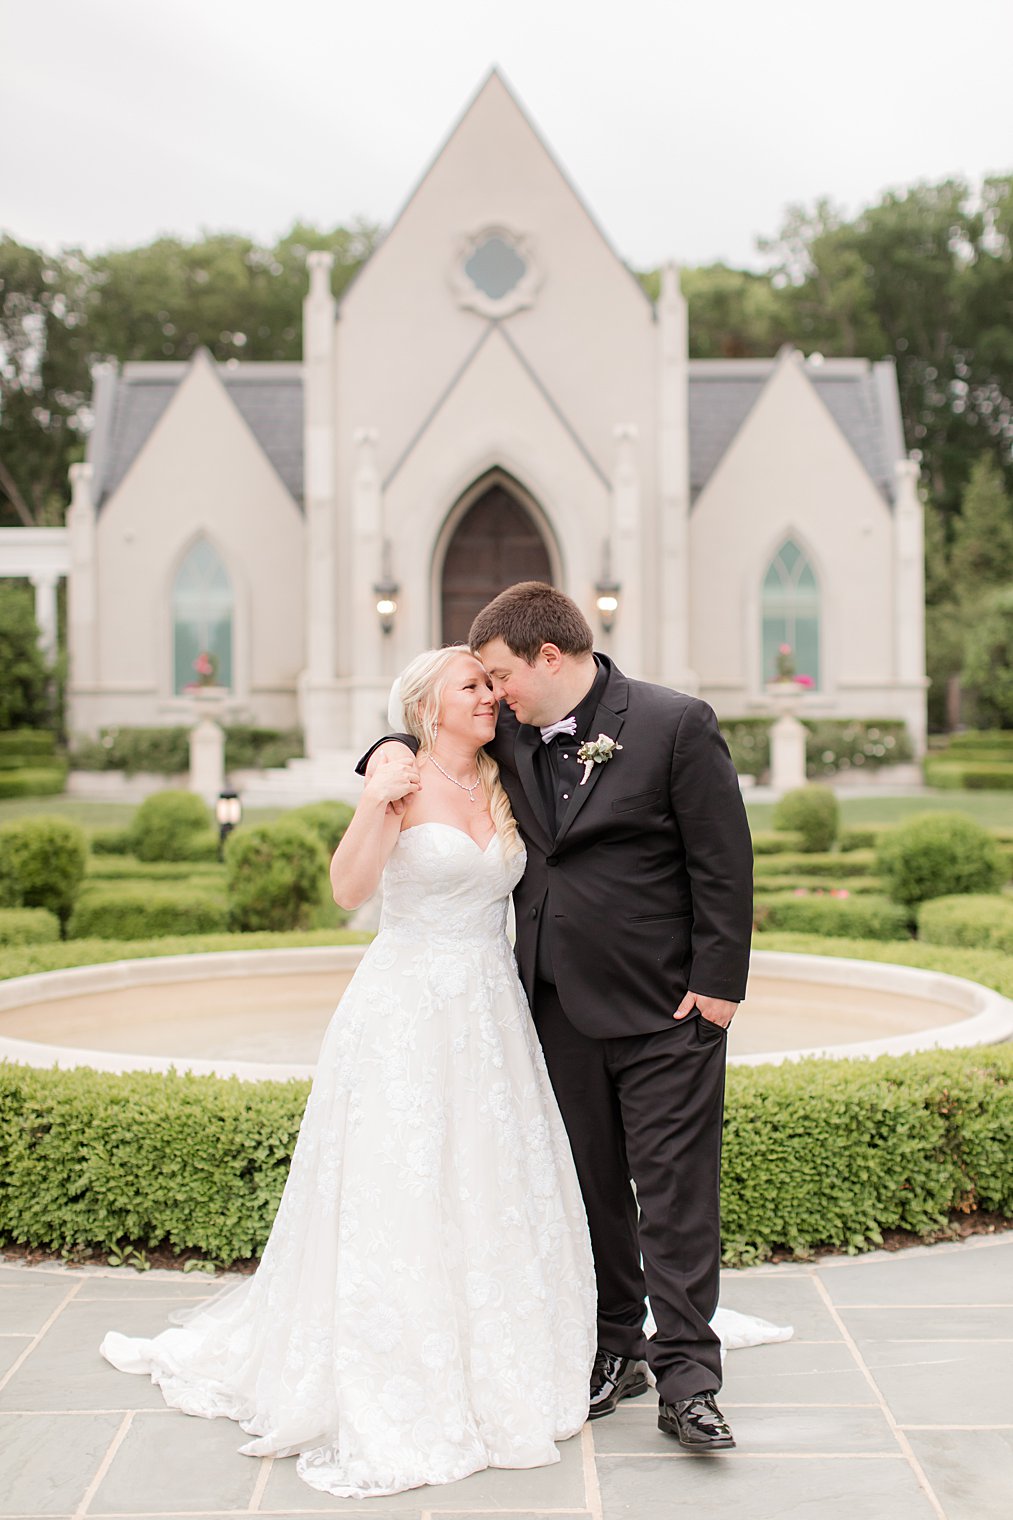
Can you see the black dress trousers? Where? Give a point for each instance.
(647, 1108)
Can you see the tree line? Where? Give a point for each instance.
(924, 275)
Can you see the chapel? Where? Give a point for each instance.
(495, 399)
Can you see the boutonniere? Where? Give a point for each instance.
(596, 752)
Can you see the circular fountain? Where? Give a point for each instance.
(259, 1014)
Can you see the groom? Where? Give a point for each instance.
(633, 930)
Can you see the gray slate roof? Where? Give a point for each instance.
(857, 393)
(129, 406)
(862, 398)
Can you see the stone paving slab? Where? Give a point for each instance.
(943, 1383)
(558, 1487)
(26, 1305)
(793, 1299)
(47, 1461)
(747, 1488)
(792, 1431)
(65, 1370)
(914, 1322)
(970, 1471)
(185, 1464)
(807, 1372)
(173, 1286)
(975, 1271)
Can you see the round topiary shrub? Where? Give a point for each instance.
(275, 876)
(937, 855)
(327, 820)
(172, 825)
(42, 863)
(28, 926)
(812, 812)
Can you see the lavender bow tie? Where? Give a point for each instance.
(564, 726)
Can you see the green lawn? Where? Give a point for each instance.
(99, 815)
(993, 809)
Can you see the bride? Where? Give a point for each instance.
(425, 1305)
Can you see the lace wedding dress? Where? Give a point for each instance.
(425, 1305)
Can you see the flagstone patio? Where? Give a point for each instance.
(894, 1400)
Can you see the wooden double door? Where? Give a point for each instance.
(496, 543)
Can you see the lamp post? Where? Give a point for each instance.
(228, 813)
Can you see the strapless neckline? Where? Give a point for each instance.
(434, 823)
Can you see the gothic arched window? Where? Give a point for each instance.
(202, 608)
(791, 613)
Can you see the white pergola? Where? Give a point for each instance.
(41, 555)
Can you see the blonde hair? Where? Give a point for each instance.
(420, 687)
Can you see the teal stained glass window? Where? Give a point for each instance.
(202, 611)
(791, 613)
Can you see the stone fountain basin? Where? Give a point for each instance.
(258, 1014)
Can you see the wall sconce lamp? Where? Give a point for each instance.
(386, 591)
(607, 601)
(228, 813)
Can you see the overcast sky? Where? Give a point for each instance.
(687, 127)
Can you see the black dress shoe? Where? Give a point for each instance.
(614, 1378)
(697, 1423)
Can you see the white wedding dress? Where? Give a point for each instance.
(425, 1305)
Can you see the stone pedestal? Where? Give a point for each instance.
(787, 738)
(207, 743)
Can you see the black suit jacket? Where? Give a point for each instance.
(645, 888)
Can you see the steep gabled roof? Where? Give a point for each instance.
(130, 405)
(856, 392)
(495, 79)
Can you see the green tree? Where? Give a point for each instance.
(59, 315)
(44, 379)
(988, 661)
(982, 553)
(925, 275)
(24, 689)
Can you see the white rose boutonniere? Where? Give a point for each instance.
(596, 752)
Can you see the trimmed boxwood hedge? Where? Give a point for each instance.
(830, 863)
(969, 775)
(855, 884)
(868, 916)
(27, 744)
(129, 868)
(33, 781)
(968, 919)
(776, 842)
(28, 926)
(125, 910)
(816, 1153)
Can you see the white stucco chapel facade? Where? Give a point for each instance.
(495, 399)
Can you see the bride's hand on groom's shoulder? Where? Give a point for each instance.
(393, 779)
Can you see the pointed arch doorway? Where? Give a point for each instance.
(494, 539)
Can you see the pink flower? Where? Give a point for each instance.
(804, 681)
(840, 892)
(784, 649)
